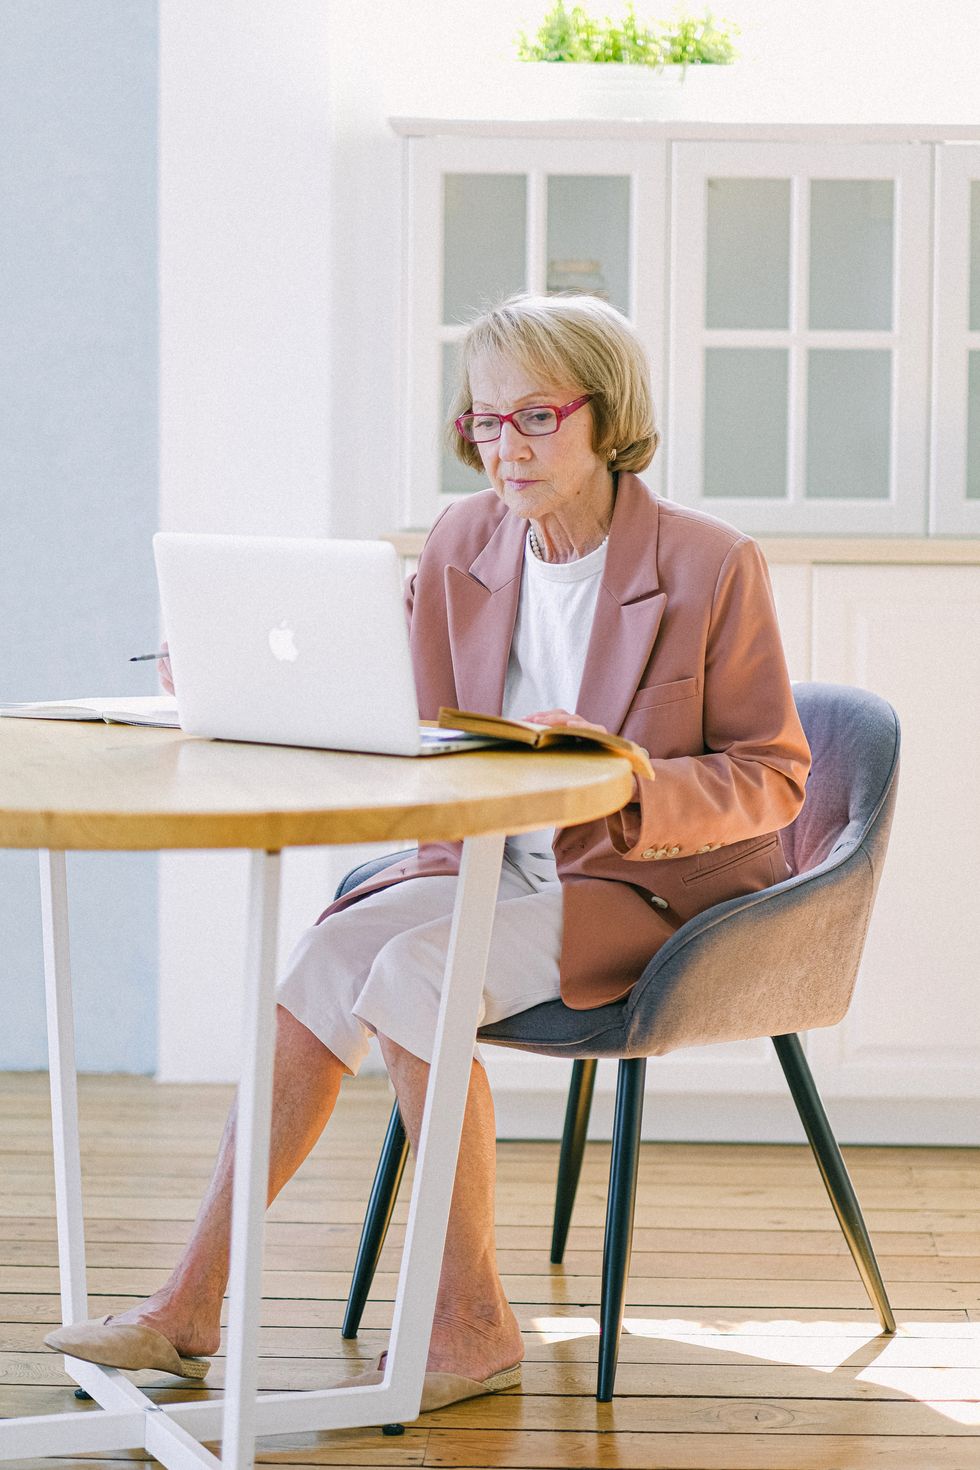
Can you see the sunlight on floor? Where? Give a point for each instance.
(951, 1386)
(564, 1329)
(960, 1413)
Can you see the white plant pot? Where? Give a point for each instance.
(554, 89)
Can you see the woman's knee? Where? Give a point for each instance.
(303, 1046)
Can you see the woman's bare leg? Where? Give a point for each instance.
(475, 1332)
(306, 1081)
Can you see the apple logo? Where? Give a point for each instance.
(283, 643)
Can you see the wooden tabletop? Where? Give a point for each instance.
(73, 786)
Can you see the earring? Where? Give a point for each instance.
(613, 456)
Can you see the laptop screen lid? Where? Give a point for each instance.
(288, 641)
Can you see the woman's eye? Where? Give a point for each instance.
(537, 420)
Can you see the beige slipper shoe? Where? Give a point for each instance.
(442, 1389)
(124, 1345)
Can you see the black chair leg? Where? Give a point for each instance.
(577, 1111)
(623, 1165)
(384, 1192)
(833, 1171)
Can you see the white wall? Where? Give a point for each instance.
(248, 204)
(78, 470)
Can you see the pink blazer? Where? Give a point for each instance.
(684, 658)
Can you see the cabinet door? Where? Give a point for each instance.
(490, 217)
(955, 466)
(913, 1030)
(799, 335)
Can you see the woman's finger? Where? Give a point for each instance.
(164, 670)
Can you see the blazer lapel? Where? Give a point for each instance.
(628, 611)
(481, 605)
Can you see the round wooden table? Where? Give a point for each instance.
(74, 786)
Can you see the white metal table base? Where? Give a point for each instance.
(127, 1418)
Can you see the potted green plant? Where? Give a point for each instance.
(624, 67)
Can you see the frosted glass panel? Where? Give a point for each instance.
(975, 256)
(588, 236)
(848, 419)
(745, 405)
(973, 430)
(852, 229)
(485, 231)
(747, 282)
(455, 478)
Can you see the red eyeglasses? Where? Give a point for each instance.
(541, 418)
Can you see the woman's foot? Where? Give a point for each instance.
(475, 1344)
(194, 1332)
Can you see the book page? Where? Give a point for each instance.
(150, 709)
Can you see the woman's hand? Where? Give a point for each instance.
(164, 670)
(563, 717)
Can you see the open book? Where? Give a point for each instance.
(544, 737)
(150, 709)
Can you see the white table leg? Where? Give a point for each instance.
(173, 1431)
(401, 1392)
(442, 1120)
(251, 1179)
(64, 1087)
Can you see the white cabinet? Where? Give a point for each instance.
(799, 334)
(955, 468)
(811, 306)
(912, 634)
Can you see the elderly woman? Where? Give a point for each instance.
(565, 592)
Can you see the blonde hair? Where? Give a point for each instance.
(577, 340)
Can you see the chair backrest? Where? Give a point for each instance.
(854, 745)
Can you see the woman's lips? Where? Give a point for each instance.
(520, 484)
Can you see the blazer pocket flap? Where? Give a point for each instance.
(731, 856)
(654, 694)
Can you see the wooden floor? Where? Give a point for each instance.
(748, 1342)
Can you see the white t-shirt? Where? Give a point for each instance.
(547, 656)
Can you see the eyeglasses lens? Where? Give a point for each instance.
(483, 428)
(536, 420)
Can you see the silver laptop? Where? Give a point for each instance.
(293, 642)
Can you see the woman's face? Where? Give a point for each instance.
(545, 474)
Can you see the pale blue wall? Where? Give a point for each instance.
(78, 466)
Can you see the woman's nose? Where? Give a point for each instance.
(513, 444)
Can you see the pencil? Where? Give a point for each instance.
(142, 658)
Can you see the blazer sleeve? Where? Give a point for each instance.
(751, 778)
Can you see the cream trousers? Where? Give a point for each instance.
(377, 966)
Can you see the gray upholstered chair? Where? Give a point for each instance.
(768, 964)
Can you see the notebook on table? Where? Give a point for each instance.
(126, 709)
(291, 641)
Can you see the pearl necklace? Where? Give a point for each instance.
(536, 544)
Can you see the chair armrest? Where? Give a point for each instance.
(367, 870)
(765, 964)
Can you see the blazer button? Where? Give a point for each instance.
(674, 851)
(705, 848)
(649, 852)
(658, 902)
